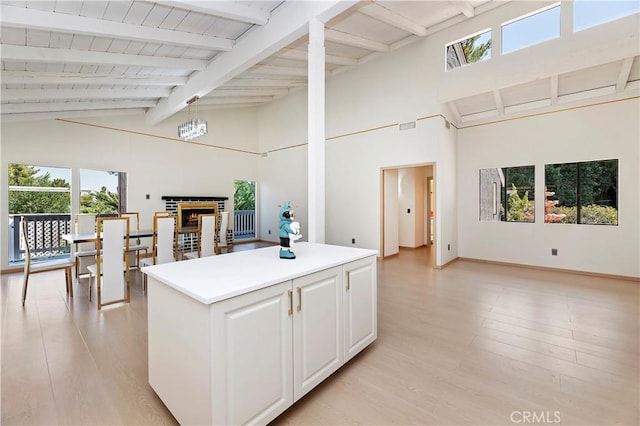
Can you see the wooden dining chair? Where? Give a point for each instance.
(31, 267)
(223, 238)
(134, 227)
(111, 270)
(84, 253)
(165, 243)
(207, 245)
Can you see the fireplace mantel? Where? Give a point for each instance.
(193, 198)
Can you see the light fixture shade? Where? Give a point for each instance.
(192, 129)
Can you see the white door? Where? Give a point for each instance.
(252, 379)
(317, 328)
(391, 222)
(360, 305)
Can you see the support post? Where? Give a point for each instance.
(316, 132)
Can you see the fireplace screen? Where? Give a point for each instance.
(188, 214)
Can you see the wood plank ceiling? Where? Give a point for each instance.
(77, 58)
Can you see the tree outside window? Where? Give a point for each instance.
(586, 192)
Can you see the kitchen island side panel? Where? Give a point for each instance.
(179, 337)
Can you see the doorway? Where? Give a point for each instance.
(244, 210)
(408, 208)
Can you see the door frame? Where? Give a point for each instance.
(382, 199)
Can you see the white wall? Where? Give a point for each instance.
(154, 165)
(599, 132)
(364, 100)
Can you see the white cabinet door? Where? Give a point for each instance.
(318, 346)
(251, 349)
(360, 305)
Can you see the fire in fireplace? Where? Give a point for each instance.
(188, 214)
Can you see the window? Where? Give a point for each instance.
(507, 194)
(474, 48)
(528, 30)
(102, 192)
(588, 13)
(582, 193)
(42, 195)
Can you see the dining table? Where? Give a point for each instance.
(92, 237)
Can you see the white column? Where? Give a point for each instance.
(315, 130)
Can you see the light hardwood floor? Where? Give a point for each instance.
(469, 344)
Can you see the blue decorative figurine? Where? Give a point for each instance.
(289, 231)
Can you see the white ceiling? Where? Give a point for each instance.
(76, 58)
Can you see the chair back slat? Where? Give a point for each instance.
(224, 225)
(207, 234)
(113, 269)
(165, 239)
(85, 224)
(134, 222)
(25, 241)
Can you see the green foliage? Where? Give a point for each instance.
(99, 202)
(592, 214)
(599, 215)
(598, 182)
(30, 202)
(473, 53)
(522, 177)
(520, 209)
(244, 195)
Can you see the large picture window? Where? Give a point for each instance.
(582, 193)
(42, 197)
(507, 194)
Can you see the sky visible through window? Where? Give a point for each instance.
(545, 25)
(89, 179)
(587, 13)
(531, 30)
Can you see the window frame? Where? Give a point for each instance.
(579, 190)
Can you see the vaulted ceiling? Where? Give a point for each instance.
(70, 58)
(79, 58)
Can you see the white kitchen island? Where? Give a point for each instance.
(238, 338)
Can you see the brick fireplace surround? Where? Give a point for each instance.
(189, 241)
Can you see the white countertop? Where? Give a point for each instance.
(214, 278)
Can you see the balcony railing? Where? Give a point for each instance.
(44, 233)
(244, 224)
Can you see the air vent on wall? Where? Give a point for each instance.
(408, 125)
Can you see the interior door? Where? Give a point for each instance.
(391, 231)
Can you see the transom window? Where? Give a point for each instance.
(588, 13)
(474, 48)
(531, 29)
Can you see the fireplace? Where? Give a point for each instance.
(188, 214)
(188, 238)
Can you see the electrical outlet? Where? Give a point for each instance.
(408, 210)
(269, 231)
(449, 247)
(148, 196)
(353, 241)
(554, 252)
